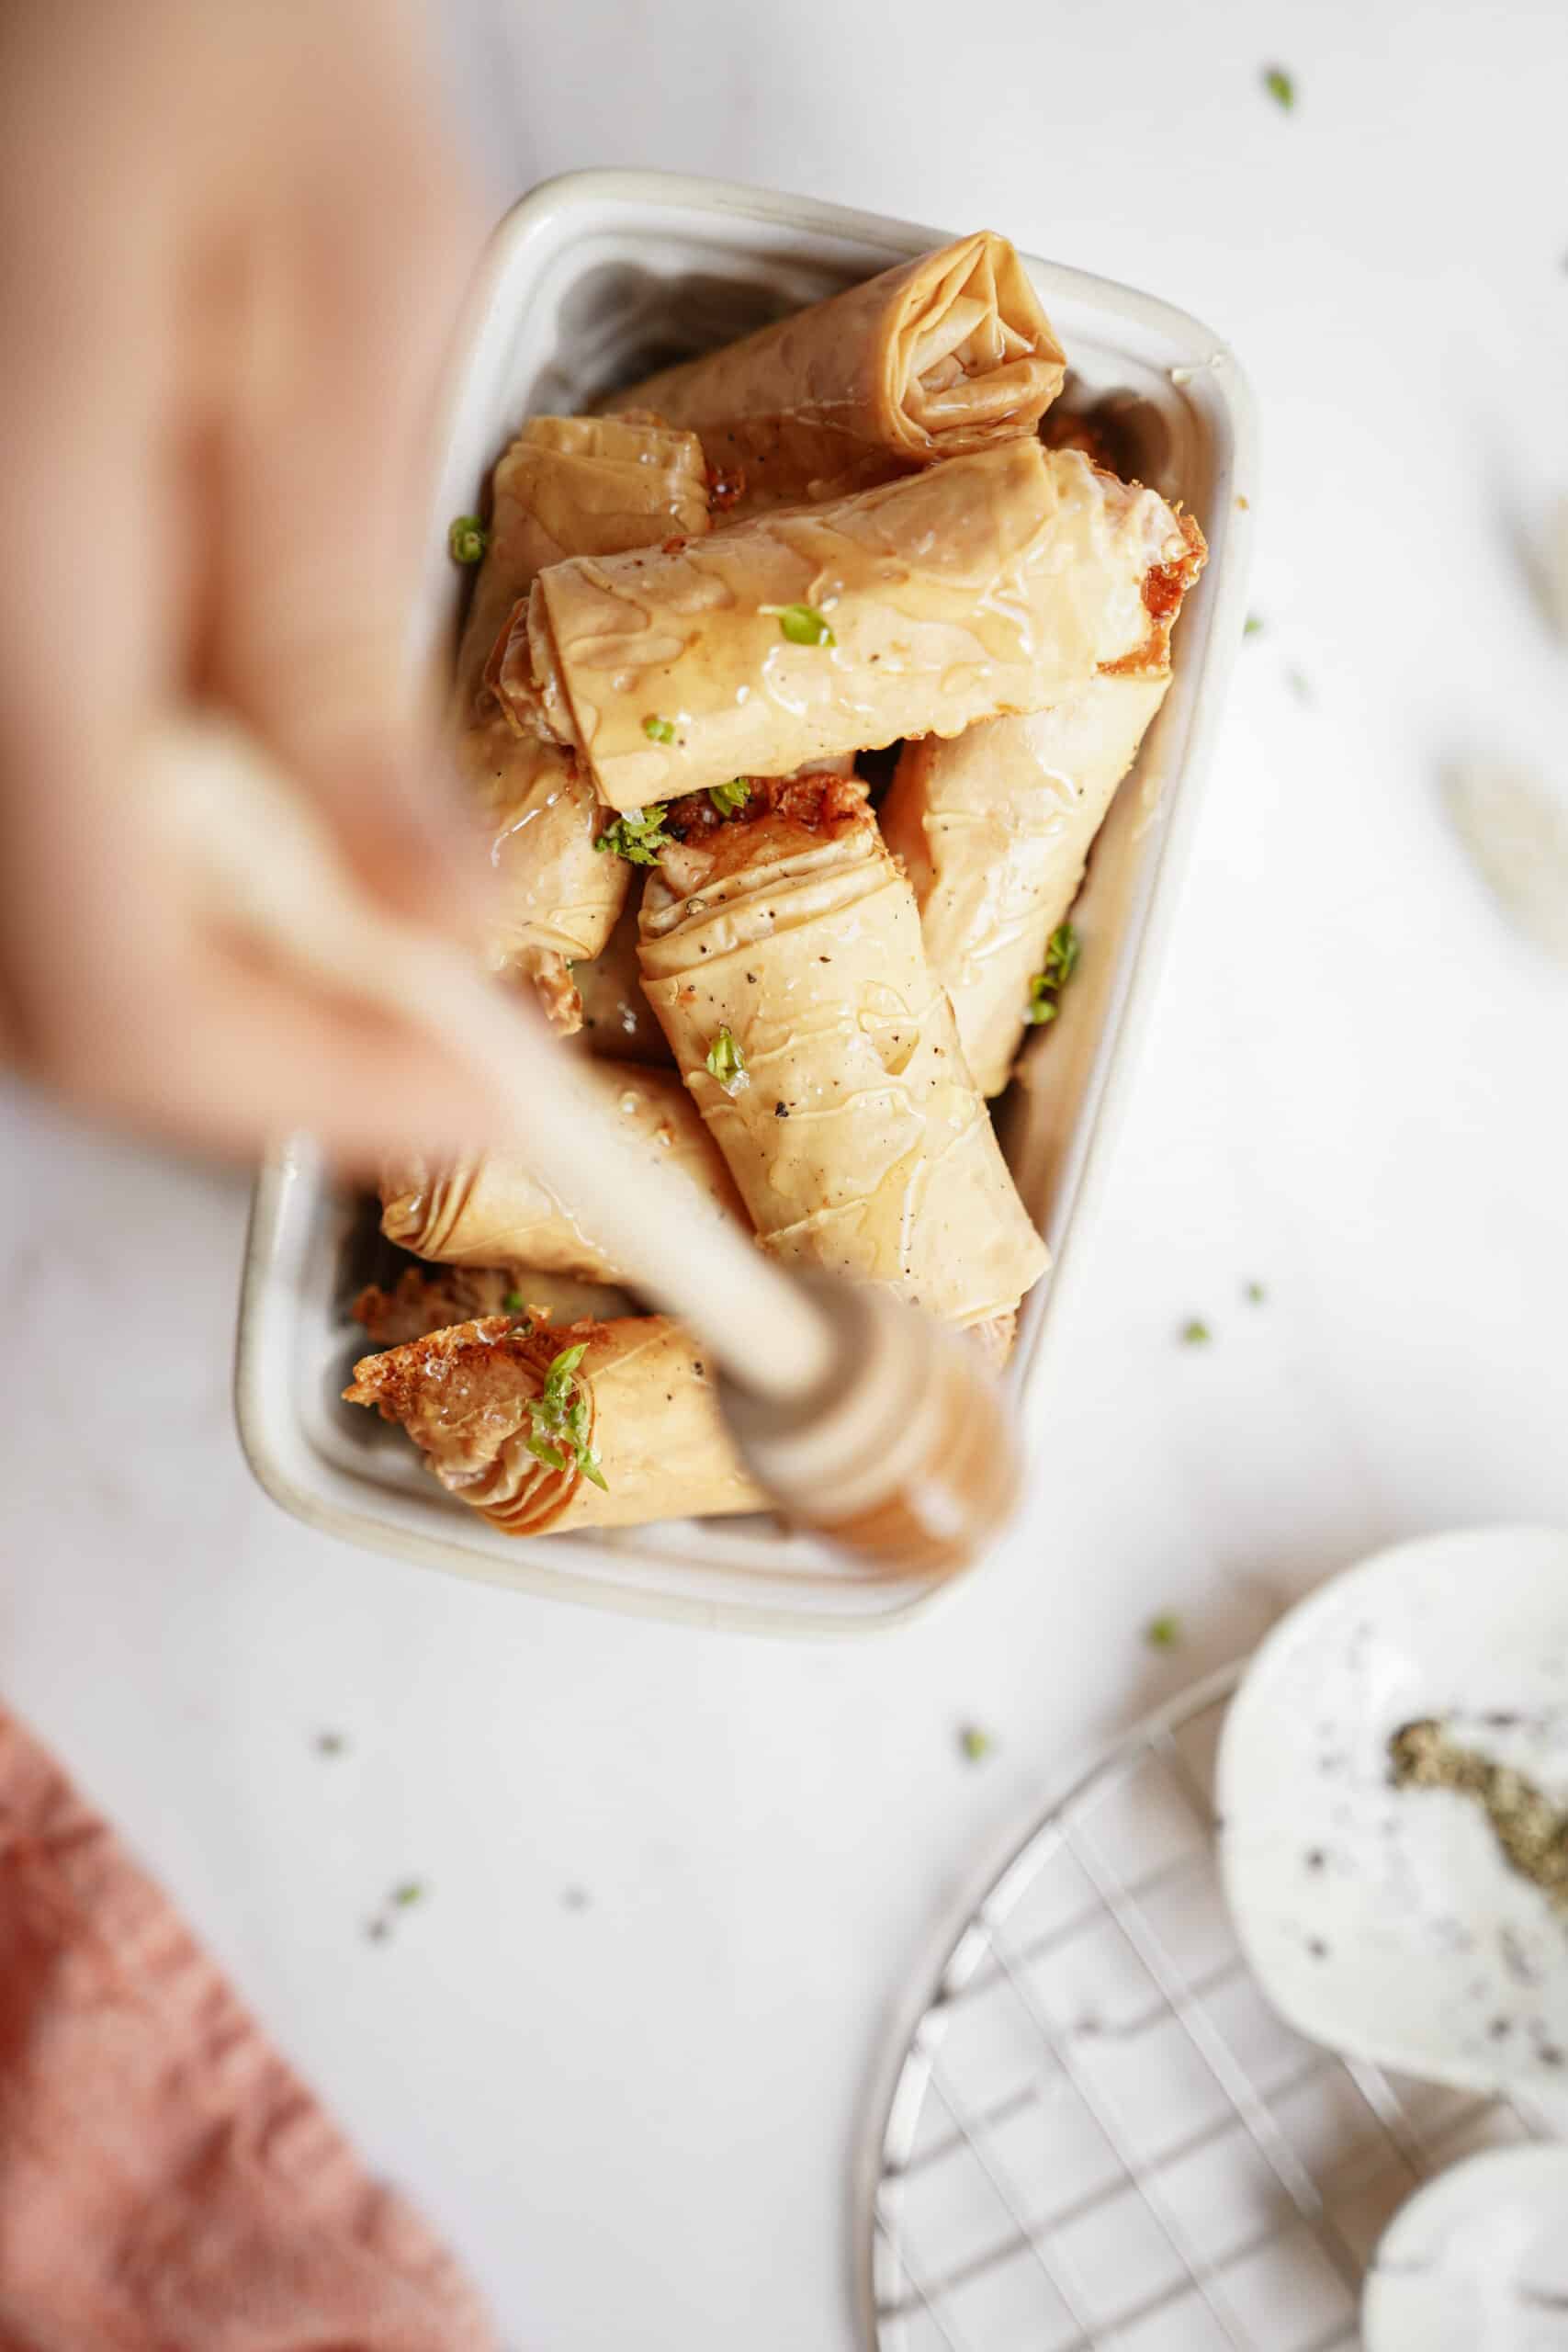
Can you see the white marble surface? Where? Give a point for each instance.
(634, 2116)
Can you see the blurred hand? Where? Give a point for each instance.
(234, 236)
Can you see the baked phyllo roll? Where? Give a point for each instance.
(428, 1299)
(599, 1425)
(617, 1019)
(781, 951)
(554, 897)
(990, 584)
(493, 1211)
(994, 828)
(577, 485)
(568, 485)
(934, 358)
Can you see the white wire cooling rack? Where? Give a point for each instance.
(1096, 2132)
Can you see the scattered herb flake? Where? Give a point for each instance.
(1163, 1633)
(1195, 1334)
(330, 1743)
(727, 1063)
(975, 1743)
(637, 835)
(1062, 952)
(559, 1415)
(1532, 1832)
(408, 1889)
(802, 624)
(727, 797)
(659, 730)
(1279, 86)
(1300, 686)
(1254, 1293)
(466, 538)
(512, 1302)
(1253, 627)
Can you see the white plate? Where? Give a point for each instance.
(590, 279)
(1380, 1921)
(1477, 2261)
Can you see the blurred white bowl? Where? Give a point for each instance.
(1477, 2261)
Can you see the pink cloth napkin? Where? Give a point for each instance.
(166, 2185)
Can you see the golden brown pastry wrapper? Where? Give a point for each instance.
(994, 829)
(859, 1142)
(617, 1019)
(993, 583)
(493, 1211)
(568, 485)
(934, 358)
(577, 485)
(653, 1420)
(424, 1300)
(554, 896)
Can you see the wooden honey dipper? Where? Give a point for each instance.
(867, 1422)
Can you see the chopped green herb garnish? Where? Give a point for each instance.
(412, 1890)
(802, 624)
(727, 1063)
(512, 1302)
(637, 835)
(1195, 1334)
(1254, 627)
(1062, 951)
(558, 1379)
(975, 1742)
(659, 730)
(727, 797)
(559, 1415)
(1256, 1294)
(1163, 1633)
(466, 538)
(1279, 86)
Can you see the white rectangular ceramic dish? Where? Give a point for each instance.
(590, 281)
